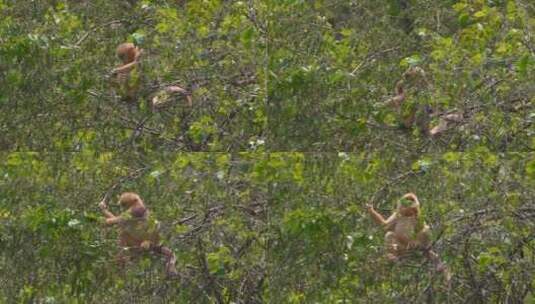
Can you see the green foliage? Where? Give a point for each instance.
(325, 248)
(332, 68)
(210, 209)
(261, 185)
(57, 57)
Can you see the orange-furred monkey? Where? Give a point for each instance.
(137, 231)
(406, 231)
(127, 77)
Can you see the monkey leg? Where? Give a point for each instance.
(393, 247)
(423, 238)
(433, 257)
(423, 118)
(438, 264)
(441, 127)
(170, 259)
(423, 241)
(445, 122)
(122, 256)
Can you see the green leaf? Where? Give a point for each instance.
(460, 6)
(481, 13)
(522, 64)
(530, 169)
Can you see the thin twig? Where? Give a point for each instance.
(93, 29)
(370, 57)
(130, 176)
(392, 181)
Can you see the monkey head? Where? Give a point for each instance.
(127, 52)
(129, 199)
(409, 205)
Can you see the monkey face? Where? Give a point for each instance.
(408, 211)
(408, 205)
(405, 202)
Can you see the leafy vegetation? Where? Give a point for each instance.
(332, 64)
(57, 57)
(326, 249)
(260, 186)
(54, 249)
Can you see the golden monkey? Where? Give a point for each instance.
(410, 113)
(137, 231)
(396, 103)
(128, 78)
(406, 231)
(128, 75)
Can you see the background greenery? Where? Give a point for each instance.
(333, 63)
(57, 57)
(253, 194)
(326, 249)
(275, 228)
(212, 207)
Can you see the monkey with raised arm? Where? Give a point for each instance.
(406, 231)
(138, 232)
(408, 110)
(127, 77)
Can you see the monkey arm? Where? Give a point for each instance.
(114, 220)
(107, 214)
(111, 219)
(398, 98)
(377, 217)
(390, 222)
(175, 89)
(125, 68)
(104, 208)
